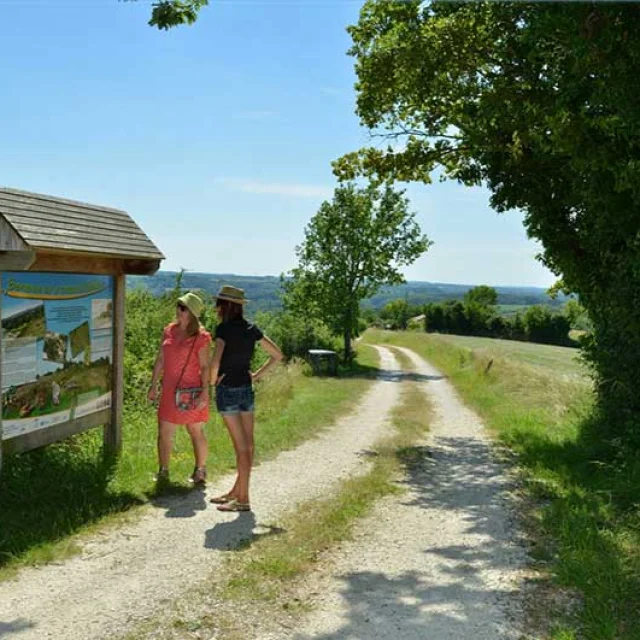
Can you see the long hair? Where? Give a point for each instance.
(193, 326)
(230, 310)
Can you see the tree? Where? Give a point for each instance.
(397, 312)
(353, 246)
(172, 13)
(540, 102)
(482, 296)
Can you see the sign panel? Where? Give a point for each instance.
(56, 349)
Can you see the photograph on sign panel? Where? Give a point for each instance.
(79, 339)
(54, 346)
(25, 321)
(101, 313)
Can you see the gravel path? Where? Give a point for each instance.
(439, 562)
(124, 575)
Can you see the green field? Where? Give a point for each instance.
(562, 360)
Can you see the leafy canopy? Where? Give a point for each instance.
(353, 246)
(166, 14)
(482, 296)
(540, 102)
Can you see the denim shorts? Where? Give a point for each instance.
(233, 400)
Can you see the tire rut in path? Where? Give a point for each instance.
(123, 576)
(440, 561)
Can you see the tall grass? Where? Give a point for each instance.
(585, 523)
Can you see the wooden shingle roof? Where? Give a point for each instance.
(57, 226)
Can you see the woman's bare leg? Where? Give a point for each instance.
(246, 418)
(166, 431)
(244, 452)
(199, 442)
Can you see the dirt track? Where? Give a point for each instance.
(437, 562)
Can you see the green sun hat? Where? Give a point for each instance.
(192, 302)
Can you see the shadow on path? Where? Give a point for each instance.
(398, 375)
(7, 629)
(181, 502)
(239, 533)
(406, 606)
(459, 474)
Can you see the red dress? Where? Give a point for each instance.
(176, 352)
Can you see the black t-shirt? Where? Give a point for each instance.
(240, 338)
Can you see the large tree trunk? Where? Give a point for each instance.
(347, 346)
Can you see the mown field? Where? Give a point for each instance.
(557, 360)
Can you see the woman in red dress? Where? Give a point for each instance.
(183, 363)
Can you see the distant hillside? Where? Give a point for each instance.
(263, 291)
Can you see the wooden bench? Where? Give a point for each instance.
(323, 362)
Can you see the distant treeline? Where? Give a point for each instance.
(478, 315)
(536, 324)
(264, 291)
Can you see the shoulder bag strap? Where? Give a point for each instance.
(193, 344)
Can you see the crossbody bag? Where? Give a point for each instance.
(187, 397)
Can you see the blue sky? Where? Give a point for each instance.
(216, 138)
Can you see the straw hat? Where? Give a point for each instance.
(232, 294)
(192, 302)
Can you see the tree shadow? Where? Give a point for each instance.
(7, 629)
(393, 375)
(358, 370)
(462, 475)
(455, 477)
(407, 606)
(239, 533)
(398, 375)
(53, 492)
(587, 489)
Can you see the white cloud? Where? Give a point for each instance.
(278, 188)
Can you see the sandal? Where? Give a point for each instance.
(162, 477)
(234, 505)
(199, 475)
(223, 499)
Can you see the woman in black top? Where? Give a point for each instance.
(231, 373)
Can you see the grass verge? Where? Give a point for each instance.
(49, 496)
(584, 518)
(263, 583)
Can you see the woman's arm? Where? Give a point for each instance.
(275, 355)
(203, 360)
(214, 367)
(158, 368)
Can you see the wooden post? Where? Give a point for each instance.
(113, 431)
(1, 394)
